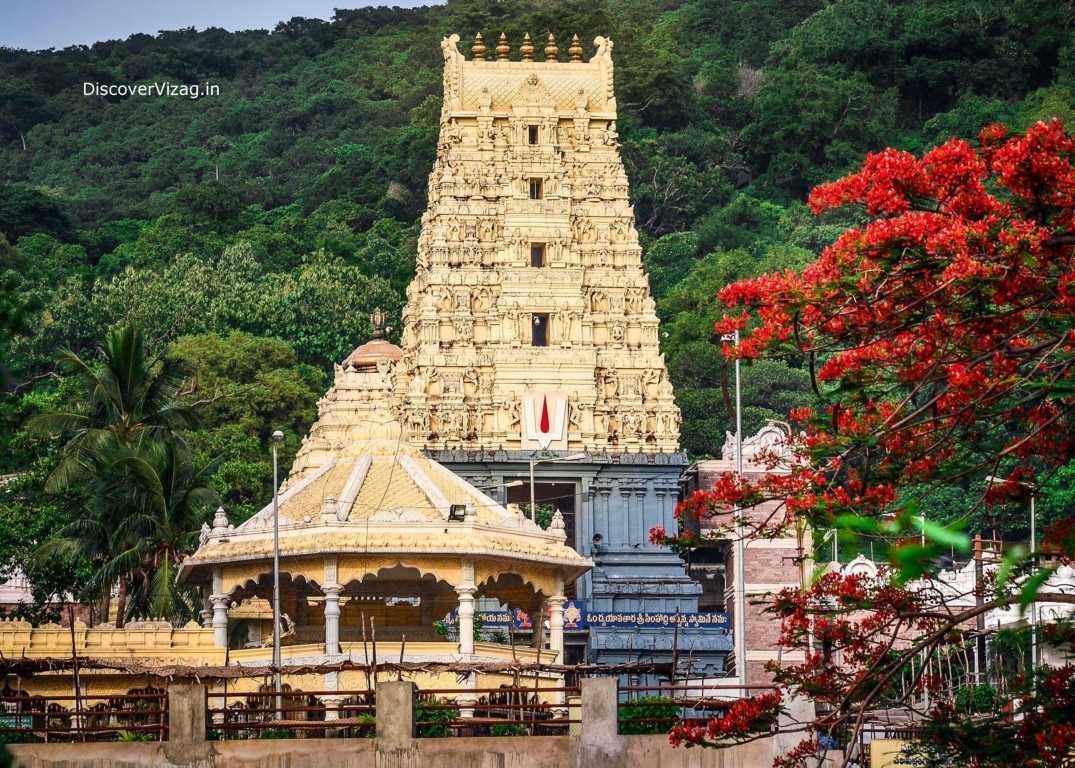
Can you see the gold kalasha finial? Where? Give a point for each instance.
(478, 49)
(527, 48)
(551, 51)
(575, 51)
(503, 50)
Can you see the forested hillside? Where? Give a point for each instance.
(251, 233)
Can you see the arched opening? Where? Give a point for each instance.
(302, 616)
(396, 602)
(509, 595)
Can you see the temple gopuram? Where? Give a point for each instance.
(530, 339)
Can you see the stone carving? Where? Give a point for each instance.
(467, 325)
(769, 440)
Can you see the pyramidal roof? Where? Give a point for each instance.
(357, 486)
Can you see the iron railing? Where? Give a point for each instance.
(262, 714)
(140, 715)
(504, 711)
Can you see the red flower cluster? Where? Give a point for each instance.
(942, 332)
(941, 337)
(743, 718)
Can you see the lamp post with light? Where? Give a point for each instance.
(550, 460)
(277, 439)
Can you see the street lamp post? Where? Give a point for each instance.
(551, 460)
(277, 438)
(1033, 553)
(740, 532)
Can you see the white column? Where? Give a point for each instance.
(332, 619)
(332, 702)
(556, 626)
(220, 619)
(466, 619)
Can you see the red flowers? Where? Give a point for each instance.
(743, 718)
(940, 338)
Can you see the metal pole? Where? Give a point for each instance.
(277, 437)
(740, 544)
(981, 665)
(1034, 605)
(533, 514)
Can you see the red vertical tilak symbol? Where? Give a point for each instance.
(544, 426)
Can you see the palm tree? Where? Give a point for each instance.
(126, 401)
(130, 408)
(145, 506)
(170, 500)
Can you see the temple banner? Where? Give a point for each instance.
(577, 618)
(638, 620)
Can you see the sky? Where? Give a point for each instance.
(37, 24)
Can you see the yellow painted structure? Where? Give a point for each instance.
(374, 536)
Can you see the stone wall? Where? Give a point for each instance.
(597, 746)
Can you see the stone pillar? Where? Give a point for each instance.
(332, 619)
(600, 742)
(466, 619)
(220, 619)
(395, 715)
(556, 627)
(186, 712)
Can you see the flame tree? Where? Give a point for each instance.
(940, 343)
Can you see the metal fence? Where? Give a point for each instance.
(263, 714)
(140, 715)
(504, 711)
(657, 707)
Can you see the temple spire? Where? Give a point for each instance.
(478, 49)
(551, 51)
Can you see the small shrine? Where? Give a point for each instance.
(377, 538)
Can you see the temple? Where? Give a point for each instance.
(484, 491)
(530, 339)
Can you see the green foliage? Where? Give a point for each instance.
(288, 208)
(650, 708)
(248, 386)
(436, 716)
(274, 733)
(976, 699)
(514, 729)
(135, 736)
(366, 727)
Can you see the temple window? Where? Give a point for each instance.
(539, 335)
(532, 134)
(537, 254)
(535, 189)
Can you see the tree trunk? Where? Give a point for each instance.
(22, 138)
(121, 602)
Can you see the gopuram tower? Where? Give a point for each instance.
(530, 339)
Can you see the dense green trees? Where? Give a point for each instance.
(251, 234)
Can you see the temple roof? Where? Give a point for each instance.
(371, 352)
(357, 486)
